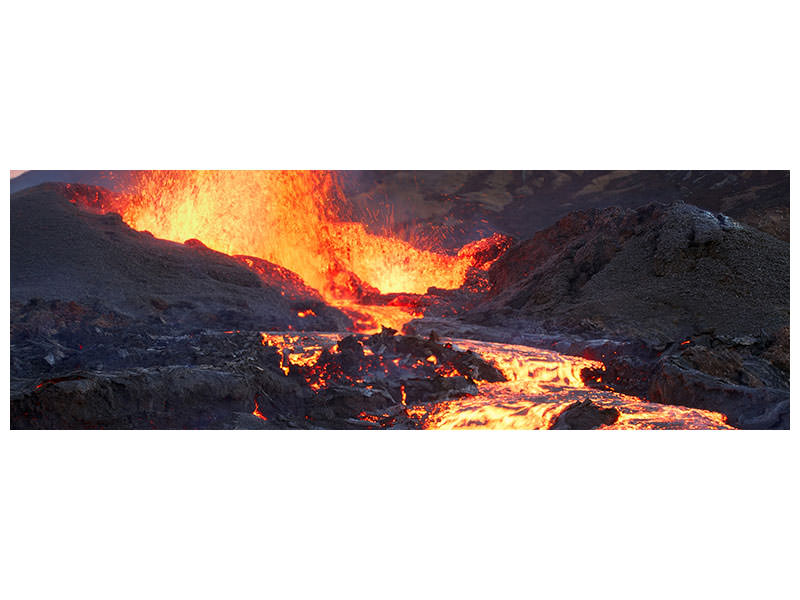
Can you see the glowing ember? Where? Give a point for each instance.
(301, 351)
(257, 412)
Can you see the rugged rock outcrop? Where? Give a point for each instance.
(585, 415)
(659, 273)
(60, 251)
(111, 376)
(747, 407)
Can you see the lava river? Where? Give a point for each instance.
(541, 385)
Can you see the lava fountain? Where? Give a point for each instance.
(299, 220)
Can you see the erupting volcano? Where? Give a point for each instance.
(301, 221)
(297, 299)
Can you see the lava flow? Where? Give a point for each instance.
(541, 385)
(300, 221)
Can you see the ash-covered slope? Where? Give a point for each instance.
(657, 272)
(62, 252)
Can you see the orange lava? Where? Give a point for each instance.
(370, 318)
(541, 385)
(257, 412)
(300, 350)
(295, 219)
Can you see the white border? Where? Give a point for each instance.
(359, 85)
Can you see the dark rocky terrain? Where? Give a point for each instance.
(664, 272)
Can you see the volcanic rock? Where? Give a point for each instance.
(467, 363)
(746, 407)
(658, 273)
(135, 380)
(584, 414)
(290, 285)
(778, 352)
(337, 402)
(62, 252)
(165, 397)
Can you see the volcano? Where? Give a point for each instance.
(400, 300)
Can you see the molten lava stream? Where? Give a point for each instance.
(542, 384)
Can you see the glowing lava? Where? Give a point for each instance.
(298, 220)
(542, 384)
(257, 412)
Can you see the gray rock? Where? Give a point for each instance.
(60, 251)
(584, 414)
(745, 407)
